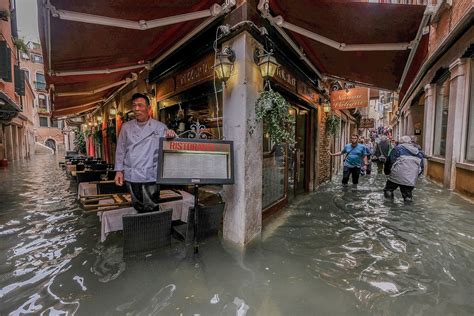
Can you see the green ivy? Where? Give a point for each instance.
(21, 45)
(79, 141)
(273, 109)
(332, 124)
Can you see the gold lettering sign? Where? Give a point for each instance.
(350, 99)
(285, 78)
(199, 72)
(367, 123)
(307, 93)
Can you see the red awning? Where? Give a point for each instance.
(353, 22)
(72, 46)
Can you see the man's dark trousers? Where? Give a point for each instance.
(354, 171)
(407, 191)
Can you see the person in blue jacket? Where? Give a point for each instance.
(356, 154)
(403, 166)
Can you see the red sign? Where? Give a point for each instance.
(350, 99)
(191, 146)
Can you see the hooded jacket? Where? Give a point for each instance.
(404, 164)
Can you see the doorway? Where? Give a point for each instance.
(298, 155)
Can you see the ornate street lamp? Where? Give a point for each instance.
(224, 63)
(266, 62)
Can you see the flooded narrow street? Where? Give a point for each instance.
(330, 253)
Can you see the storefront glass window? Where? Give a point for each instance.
(274, 167)
(441, 117)
(470, 122)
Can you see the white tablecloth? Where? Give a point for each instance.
(112, 220)
(86, 188)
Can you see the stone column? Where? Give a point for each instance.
(9, 143)
(243, 217)
(428, 121)
(457, 105)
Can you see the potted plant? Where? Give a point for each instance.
(332, 124)
(273, 109)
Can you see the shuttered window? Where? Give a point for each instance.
(19, 80)
(5, 62)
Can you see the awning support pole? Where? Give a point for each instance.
(96, 71)
(141, 25)
(263, 8)
(279, 21)
(416, 42)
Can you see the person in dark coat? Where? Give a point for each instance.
(403, 166)
(381, 152)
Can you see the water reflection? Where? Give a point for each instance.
(335, 252)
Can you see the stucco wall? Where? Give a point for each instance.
(465, 182)
(435, 171)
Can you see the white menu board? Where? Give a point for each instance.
(195, 165)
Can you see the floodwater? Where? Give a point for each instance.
(329, 253)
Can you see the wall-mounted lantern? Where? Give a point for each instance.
(325, 105)
(266, 62)
(224, 63)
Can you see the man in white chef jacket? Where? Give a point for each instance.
(136, 156)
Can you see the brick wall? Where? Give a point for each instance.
(323, 164)
(447, 22)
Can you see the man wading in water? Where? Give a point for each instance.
(355, 153)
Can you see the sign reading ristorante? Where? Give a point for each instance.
(195, 161)
(350, 99)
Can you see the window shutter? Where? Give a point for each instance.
(5, 62)
(19, 80)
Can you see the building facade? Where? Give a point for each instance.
(48, 131)
(15, 96)
(439, 105)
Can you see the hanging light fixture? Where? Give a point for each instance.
(113, 111)
(325, 105)
(266, 62)
(99, 118)
(224, 63)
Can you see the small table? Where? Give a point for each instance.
(112, 220)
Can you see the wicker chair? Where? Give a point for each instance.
(145, 232)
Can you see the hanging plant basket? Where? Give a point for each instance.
(273, 109)
(332, 124)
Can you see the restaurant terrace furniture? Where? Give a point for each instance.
(98, 166)
(107, 187)
(146, 232)
(209, 223)
(111, 219)
(88, 176)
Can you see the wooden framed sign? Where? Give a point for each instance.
(367, 123)
(195, 161)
